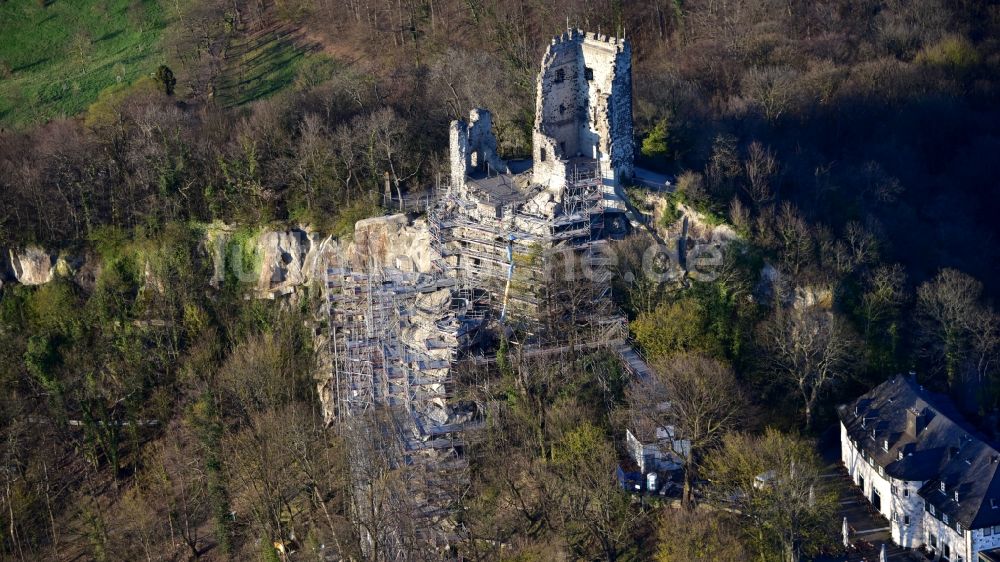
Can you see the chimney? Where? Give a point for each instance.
(915, 422)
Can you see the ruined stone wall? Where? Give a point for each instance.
(473, 147)
(614, 123)
(561, 98)
(584, 106)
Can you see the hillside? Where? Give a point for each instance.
(431, 279)
(56, 57)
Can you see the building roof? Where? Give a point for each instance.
(918, 435)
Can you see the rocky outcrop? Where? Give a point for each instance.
(282, 260)
(810, 296)
(392, 241)
(694, 244)
(275, 262)
(777, 288)
(32, 266)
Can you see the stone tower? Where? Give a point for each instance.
(583, 111)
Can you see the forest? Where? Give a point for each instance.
(148, 414)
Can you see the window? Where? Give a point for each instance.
(945, 550)
(885, 445)
(892, 489)
(933, 540)
(899, 454)
(562, 109)
(560, 76)
(906, 492)
(958, 527)
(987, 531)
(906, 520)
(880, 472)
(541, 154)
(944, 517)
(930, 508)
(956, 496)
(942, 486)
(996, 529)
(588, 73)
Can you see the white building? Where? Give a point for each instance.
(657, 451)
(925, 469)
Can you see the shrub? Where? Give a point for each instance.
(655, 143)
(952, 52)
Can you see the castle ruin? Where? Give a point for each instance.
(495, 231)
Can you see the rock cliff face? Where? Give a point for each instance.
(32, 266)
(283, 262)
(391, 241)
(692, 242)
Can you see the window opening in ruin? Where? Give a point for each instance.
(560, 76)
(541, 154)
(562, 109)
(588, 73)
(562, 148)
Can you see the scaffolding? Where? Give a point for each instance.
(394, 338)
(491, 234)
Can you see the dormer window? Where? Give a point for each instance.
(942, 486)
(885, 445)
(958, 527)
(956, 496)
(899, 454)
(864, 423)
(944, 517)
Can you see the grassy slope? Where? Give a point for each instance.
(262, 63)
(61, 56)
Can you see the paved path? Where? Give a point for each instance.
(869, 529)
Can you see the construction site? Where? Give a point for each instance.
(517, 252)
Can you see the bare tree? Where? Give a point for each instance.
(696, 395)
(795, 239)
(760, 166)
(593, 513)
(687, 536)
(809, 348)
(776, 482)
(884, 294)
(954, 327)
(771, 88)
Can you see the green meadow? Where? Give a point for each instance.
(56, 57)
